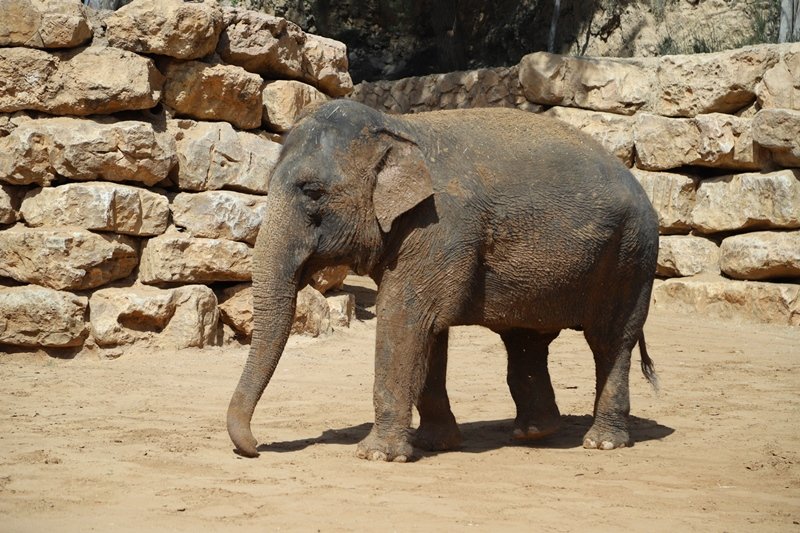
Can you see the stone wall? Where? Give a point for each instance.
(135, 152)
(713, 138)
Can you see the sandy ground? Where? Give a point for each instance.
(139, 443)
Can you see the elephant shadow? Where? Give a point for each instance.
(484, 436)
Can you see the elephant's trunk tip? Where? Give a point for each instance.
(240, 433)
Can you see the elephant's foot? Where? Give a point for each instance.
(606, 439)
(438, 436)
(375, 448)
(535, 430)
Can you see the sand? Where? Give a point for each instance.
(139, 443)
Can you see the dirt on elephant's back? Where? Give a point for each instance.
(139, 443)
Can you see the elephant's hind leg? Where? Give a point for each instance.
(438, 429)
(529, 383)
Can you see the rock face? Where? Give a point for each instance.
(166, 27)
(673, 196)
(37, 316)
(342, 309)
(780, 86)
(312, 315)
(761, 255)
(680, 255)
(43, 24)
(778, 131)
(285, 100)
(9, 204)
(236, 308)
(220, 215)
(614, 132)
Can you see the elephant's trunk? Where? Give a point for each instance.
(278, 258)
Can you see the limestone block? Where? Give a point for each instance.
(329, 278)
(614, 132)
(748, 201)
(672, 196)
(761, 255)
(714, 140)
(753, 301)
(83, 81)
(37, 316)
(65, 258)
(284, 101)
(220, 215)
(780, 86)
(213, 156)
(342, 306)
(686, 255)
(236, 308)
(181, 317)
(39, 150)
(778, 130)
(171, 28)
(720, 82)
(176, 258)
(312, 315)
(98, 206)
(43, 24)
(9, 204)
(325, 65)
(213, 92)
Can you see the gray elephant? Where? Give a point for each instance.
(491, 217)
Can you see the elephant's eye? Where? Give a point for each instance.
(312, 190)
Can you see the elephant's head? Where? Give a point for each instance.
(345, 173)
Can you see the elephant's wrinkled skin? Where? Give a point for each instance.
(494, 217)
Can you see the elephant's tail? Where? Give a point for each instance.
(648, 368)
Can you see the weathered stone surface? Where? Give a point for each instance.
(672, 196)
(43, 24)
(342, 309)
(214, 92)
(182, 317)
(98, 206)
(65, 258)
(686, 255)
(166, 27)
(277, 48)
(777, 303)
(39, 150)
(748, 201)
(219, 215)
(778, 130)
(213, 156)
(176, 258)
(236, 308)
(761, 255)
(714, 140)
(780, 86)
(85, 81)
(312, 316)
(284, 100)
(614, 132)
(37, 316)
(9, 204)
(329, 278)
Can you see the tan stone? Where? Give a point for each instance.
(614, 132)
(780, 86)
(65, 258)
(39, 150)
(236, 308)
(686, 255)
(776, 303)
(182, 317)
(84, 81)
(43, 24)
(214, 92)
(166, 27)
(672, 196)
(9, 204)
(37, 316)
(219, 215)
(285, 100)
(325, 66)
(312, 316)
(98, 206)
(761, 255)
(213, 156)
(176, 258)
(778, 130)
(748, 201)
(329, 278)
(714, 140)
(342, 308)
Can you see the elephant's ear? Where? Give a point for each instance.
(403, 181)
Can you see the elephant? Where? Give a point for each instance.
(494, 217)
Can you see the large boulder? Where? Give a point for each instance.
(686, 255)
(761, 255)
(312, 315)
(748, 201)
(614, 132)
(43, 24)
(780, 86)
(181, 317)
(672, 196)
(325, 66)
(38, 151)
(98, 206)
(83, 81)
(9, 204)
(214, 92)
(174, 28)
(37, 316)
(219, 215)
(778, 130)
(213, 156)
(236, 308)
(285, 100)
(66, 258)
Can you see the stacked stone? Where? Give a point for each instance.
(135, 153)
(715, 141)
